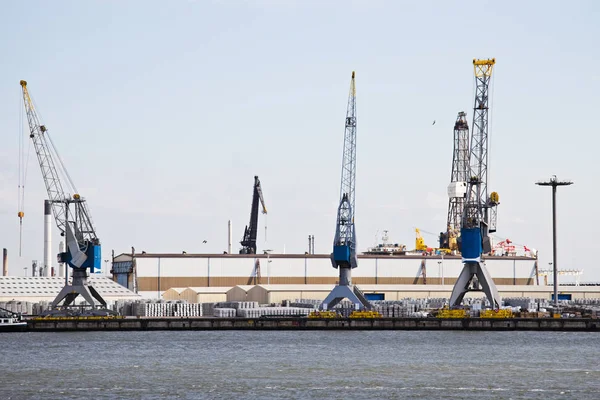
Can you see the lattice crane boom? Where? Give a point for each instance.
(343, 257)
(458, 182)
(476, 222)
(75, 224)
(481, 207)
(345, 234)
(37, 133)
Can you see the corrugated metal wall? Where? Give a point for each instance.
(202, 271)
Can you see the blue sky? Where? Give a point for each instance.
(164, 111)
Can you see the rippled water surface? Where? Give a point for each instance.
(300, 365)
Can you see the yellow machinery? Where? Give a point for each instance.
(506, 313)
(448, 313)
(421, 246)
(420, 242)
(452, 240)
(323, 314)
(365, 314)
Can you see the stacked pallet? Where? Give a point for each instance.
(273, 312)
(224, 312)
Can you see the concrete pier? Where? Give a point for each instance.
(175, 323)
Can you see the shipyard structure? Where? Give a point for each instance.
(151, 274)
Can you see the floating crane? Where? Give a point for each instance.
(344, 257)
(71, 215)
(250, 232)
(458, 183)
(479, 215)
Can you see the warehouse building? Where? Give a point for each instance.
(239, 293)
(173, 294)
(266, 294)
(148, 273)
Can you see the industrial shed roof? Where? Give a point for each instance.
(295, 288)
(25, 287)
(244, 287)
(209, 289)
(177, 289)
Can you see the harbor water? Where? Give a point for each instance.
(300, 365)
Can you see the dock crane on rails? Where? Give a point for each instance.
(72, 216)
(457, 188)
(344, 257)
(250, 232)
(479, 214)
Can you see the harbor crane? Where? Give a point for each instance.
(479, 214)
(250, 232)
(71, 214)
(344, 256)
(457, 188)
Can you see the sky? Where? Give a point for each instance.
(163, 112)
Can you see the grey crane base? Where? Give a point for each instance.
(79, 286)
(474, 277)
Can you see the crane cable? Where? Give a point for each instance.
(20, 188)
(22, 178)
(265, 228)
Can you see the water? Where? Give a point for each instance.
(300, 365)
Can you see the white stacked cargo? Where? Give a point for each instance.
(138, 309)
(435, 303)
(543, 303)
(590, 304)
(236, 304)
(224, 312)
(250, 312)
(16, 306)
(159, 309)
(306, 303)
(149, 310)
(525, 303)
(244, 306)
(273, 312)
(419, 314)
(400, 308)
(187, 310)
(39, 308)
(476, 308)
(208, 308)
